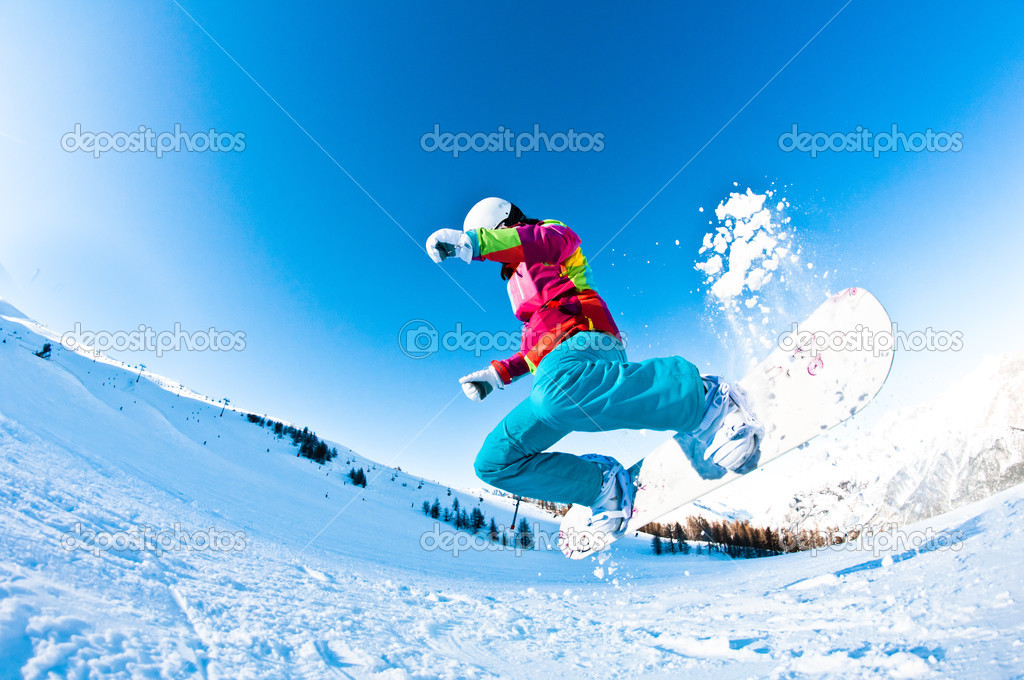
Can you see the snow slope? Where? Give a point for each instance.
(315, 578)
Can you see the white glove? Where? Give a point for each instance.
(478, 385)
(444, 243)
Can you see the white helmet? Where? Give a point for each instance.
(490, 213)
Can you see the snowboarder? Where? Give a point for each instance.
(582, 378)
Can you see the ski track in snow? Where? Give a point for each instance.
(366, 601)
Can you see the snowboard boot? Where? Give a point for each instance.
(584, 530)
(614, 506)
(729, 430)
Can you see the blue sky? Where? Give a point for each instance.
(279, 240)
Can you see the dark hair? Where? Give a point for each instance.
(515, 216)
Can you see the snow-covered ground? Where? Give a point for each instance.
(315, 578)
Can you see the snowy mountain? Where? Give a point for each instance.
(964, 445)
(149, 532)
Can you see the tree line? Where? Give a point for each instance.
(475, 521)
(310, 446)
(736, 538)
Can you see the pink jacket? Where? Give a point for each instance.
(550, 286)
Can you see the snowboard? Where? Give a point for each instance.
(822, 372)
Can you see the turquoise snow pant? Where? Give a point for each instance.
(585, 384)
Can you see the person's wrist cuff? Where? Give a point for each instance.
(499, 368)
(474, 243)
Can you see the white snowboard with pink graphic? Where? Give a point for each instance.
(822, 373)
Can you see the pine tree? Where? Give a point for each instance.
(492, 531)
(656, 544)
(771, 539)
(524, 537)
(677, 532)
(476, 520)
(435, 509)
(426, 507)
